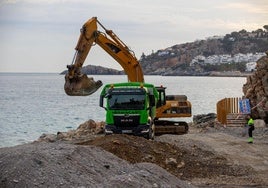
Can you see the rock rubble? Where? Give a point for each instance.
(256, 89)
(205, 157)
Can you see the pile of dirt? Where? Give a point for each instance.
(193, 162)
(85, 131)
(42, 164)
(208, 156)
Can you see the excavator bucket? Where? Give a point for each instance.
(81, 86)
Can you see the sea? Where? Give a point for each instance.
(32, 104)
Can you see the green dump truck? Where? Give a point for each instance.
(130, 108)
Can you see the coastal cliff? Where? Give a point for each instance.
(256, 89)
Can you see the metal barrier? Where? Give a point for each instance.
(225, 107)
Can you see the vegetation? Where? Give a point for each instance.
(225, 67)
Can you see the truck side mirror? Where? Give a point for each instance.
(152, 100)
(101, 101)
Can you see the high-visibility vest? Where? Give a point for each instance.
(250, 122)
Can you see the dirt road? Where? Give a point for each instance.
(228, 143)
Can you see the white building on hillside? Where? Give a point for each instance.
(251, 66)
(226, 58)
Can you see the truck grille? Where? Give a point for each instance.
(126, 120)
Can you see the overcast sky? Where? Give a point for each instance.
(40, 35)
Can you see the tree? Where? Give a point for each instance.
(143, 55)
(266, 27)
(235, 34)
(243, 31)
(227, 43)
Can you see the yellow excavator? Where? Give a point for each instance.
(78, 84)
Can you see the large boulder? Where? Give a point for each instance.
(85, 131)
(256, 89)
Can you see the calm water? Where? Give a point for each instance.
(33, 104)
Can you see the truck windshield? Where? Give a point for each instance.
(127, 101)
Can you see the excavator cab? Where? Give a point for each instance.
(162, 96)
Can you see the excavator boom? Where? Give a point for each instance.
(79, 84)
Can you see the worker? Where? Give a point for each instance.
(250, 124)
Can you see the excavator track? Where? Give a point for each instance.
(170, 127)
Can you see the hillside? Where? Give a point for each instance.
(98, 70)
(227, 53)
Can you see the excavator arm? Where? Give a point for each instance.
(78, 84)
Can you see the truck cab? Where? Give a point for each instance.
(130, 108)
